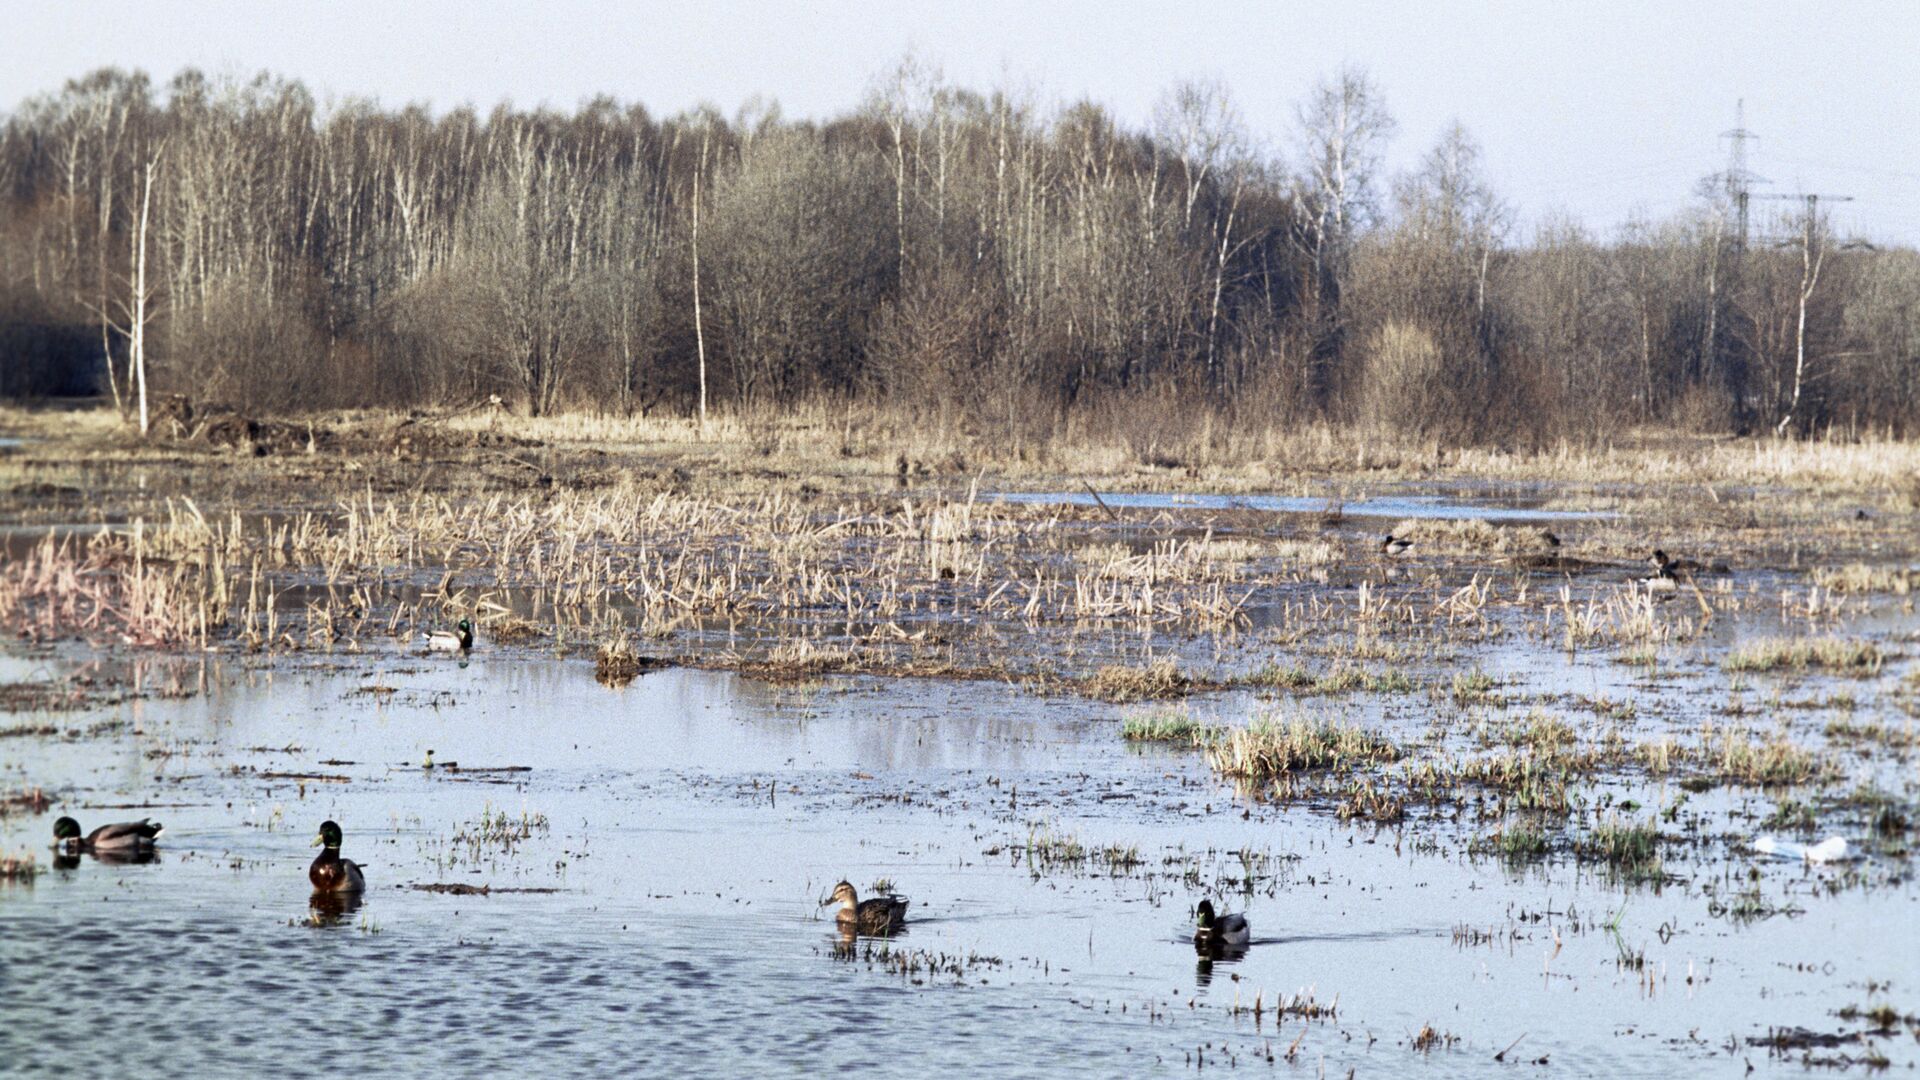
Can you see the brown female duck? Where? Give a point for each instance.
(881, 916)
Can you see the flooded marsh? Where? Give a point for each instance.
(1501, 798)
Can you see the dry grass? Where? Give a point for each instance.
(1735, 755)
(617, 663)
(1850, 656)
(1631, 847)
(19, 869)
(1164, 725)
(1472, 536)
(1862, 578)
(1340, 679)
(1122, 684)
(831, 438)
(110, 587)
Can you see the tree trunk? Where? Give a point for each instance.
(699, 328)
(138, 351)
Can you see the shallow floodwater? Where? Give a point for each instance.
(1392, 508)
(688, 826)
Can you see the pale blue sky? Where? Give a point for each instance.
(1596, 108)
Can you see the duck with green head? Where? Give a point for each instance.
(1221, 932)
(126, 837)
(330, 873)
(457, 640)
(880, 916)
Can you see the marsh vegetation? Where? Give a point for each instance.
(1013, 709)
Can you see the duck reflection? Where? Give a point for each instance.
(332, 908)
(125, 856)
(1209, 953)
(70, 859)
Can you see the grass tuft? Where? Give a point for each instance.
(1267, 748)
(1851, 656)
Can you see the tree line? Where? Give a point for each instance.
(974, 259)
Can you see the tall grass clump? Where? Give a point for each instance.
(1269, 748)
(1861, 578)
(1629, 847)
(1851, 656)
(1777, 762)
(1122, 684)
(1163, 725)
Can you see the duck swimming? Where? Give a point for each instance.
(459, 639)
(881, 915)
(330, 873)
(1212, 931)
(1668, 567)
(126, 837)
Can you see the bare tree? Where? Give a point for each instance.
(1344, 127)
(134, 306)
(1814, 240)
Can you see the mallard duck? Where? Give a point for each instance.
(1394, 545)
(458, 639)
(882, 915)
(122, 838)
(1667, 567)
(1212, 931)
(330, 872)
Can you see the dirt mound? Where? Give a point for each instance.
(264, 437)
(412, 438)
(177, 416)
(44, 490)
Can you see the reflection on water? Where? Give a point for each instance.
(332, 908)
(1393, 508)
(1212, 952)
(689, 825)
(127, 857)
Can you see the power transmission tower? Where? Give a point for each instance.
(1812, 200)
(1738, 180)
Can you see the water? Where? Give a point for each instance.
(693, 822)
(1390, 508)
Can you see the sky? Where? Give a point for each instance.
(1598, 110)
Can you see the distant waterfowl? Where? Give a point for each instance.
(1212, 931)
(1394, 545)
(330, 873)
(1670, 567)
(881, 915)
(459, 639)
(126, 837)
(1552, 540)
